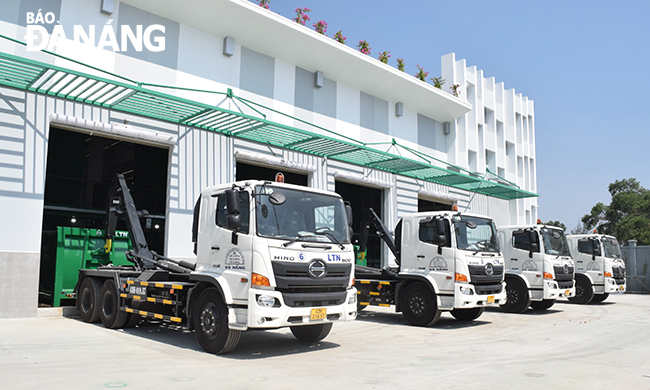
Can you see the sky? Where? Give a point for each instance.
(584, 63)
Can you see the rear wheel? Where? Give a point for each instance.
(543, 304)
(88, 299)
(311, 333)
(599, 297)
(110, 314)
(211, 324)
(518, 299)
(419, 305)
(467, 314)
(584, 291)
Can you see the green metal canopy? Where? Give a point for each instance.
(132, 97)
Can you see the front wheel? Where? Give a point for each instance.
(584, 291)
(543, 304)
(311, 333)
(211, 324)
(467, 314)
(518, 299)
(419, 306)
(599, 297)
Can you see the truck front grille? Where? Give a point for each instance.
(484, 283)
(619, 275)
(300, 289)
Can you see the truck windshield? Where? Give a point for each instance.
(302, 216)
(476, 234)
(612, 250)
(555, 242)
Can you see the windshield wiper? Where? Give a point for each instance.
(329, 235)
(299, 238)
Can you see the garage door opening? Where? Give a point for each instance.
(80, 171)
(360, 199)
(254, 172)
(431, 205)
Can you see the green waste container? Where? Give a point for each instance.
(360, 256)
(81, 248)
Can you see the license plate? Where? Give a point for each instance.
(490, 298)
(567, 292)
(318, 314)
(137, 290)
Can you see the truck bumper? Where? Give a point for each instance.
(465, 297)
(611, 287)
(278, 314)
(552, 291)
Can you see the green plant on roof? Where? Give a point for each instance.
(421, 74)
(400, 64)
(454, 89)
(339, 37)
(438, 82)
(301, 15)
(264, 3)
(320, 27)
(384, 56)
(364, 47)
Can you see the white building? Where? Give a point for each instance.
(285, 99)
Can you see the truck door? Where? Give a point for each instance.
(532, 268)
(590, 260)
(436, 257)
(230, 251)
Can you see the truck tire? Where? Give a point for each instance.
(88, 299)
(518, 299)
(467, 314)
(132, 320)
(544, 304)
(211, 324)
(599, 297)
(311, 333)
(110, 314)
(584, 291)
(419, 305)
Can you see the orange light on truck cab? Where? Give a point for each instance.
(279, 177)
(539, 221)
(461, 277)
(547, 275)
(454, 207)
(260, 280)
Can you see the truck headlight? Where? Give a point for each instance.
(266, 300)
(466, 291)
(352, 299)
(551, 285)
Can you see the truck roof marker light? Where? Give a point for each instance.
(260, 280)
(539, 221)
(595, 231)
(547, 275)
(279, 177)
(454, 207)
(461, 277)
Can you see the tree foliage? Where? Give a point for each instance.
(627, 217)
(555, 223)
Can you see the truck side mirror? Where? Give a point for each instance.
(442, 236)
(595, 249)
(234, 222)
(232, 202)
(348, 212)
(532, 242)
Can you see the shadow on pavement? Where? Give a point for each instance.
(446, 321)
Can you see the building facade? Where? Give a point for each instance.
(184, 95)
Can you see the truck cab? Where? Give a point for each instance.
(600, 269)
(447, 261)
(539, 267)
(280, 254)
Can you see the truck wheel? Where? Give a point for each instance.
(88, 300)
(518, 299)
(110, 314)
(311, 333)
(211, 324)
(132, 320)
(419, 305)
(599, 297)
(543, 304)
(467, 314)
(584, 291)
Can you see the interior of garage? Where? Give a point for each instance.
(79, 173)
(432, 205)
(247, 171)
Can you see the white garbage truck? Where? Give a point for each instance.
(600, 269)
(539, 267)
(446, 261)
(268, 255)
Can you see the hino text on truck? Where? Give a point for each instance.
(600, 269)
(447, 261)
(268, 255)
(539, 268)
